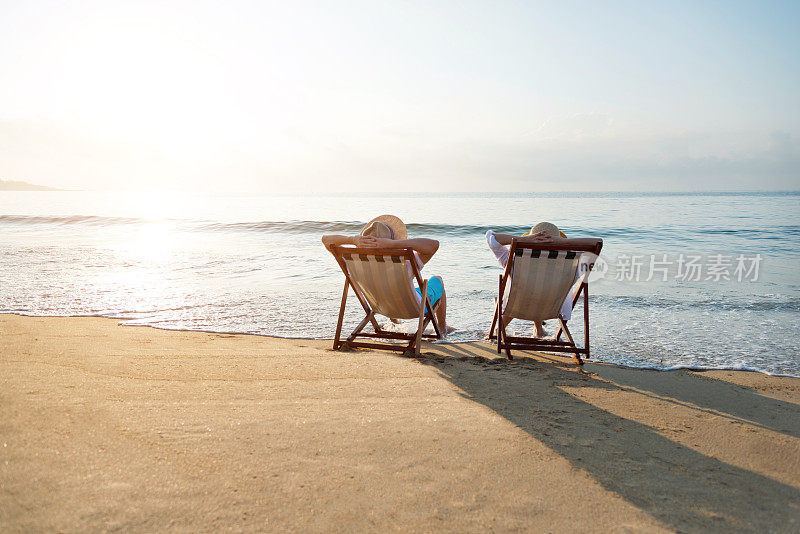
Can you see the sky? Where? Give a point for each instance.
(264, 97)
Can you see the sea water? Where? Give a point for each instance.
(686, 280)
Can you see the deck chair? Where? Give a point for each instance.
(541, 277)
(379, 279)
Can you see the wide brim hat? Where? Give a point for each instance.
(546, 227)
(397, 226)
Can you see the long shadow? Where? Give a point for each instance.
(677, 485)
(734, 401)
(725, 399)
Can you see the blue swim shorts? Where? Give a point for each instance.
(435, 290)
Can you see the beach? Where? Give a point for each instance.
(197, 198)
(107, 427)
(243, 264)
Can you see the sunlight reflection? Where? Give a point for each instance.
(152, 239)
(152, 243)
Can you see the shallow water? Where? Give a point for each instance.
(256, 265)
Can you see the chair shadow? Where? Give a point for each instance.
(677, 485)
(725, 399)
(696, 391)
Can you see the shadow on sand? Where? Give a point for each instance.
(682, 488)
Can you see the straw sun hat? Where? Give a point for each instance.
(546, 227)
(396, 227)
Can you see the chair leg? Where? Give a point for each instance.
(502, 328)
(577, 296)
(586, 319)
(498, 311)
(423, 306)
(494, 324)
(571, 340)
(431, 317)
(336, 343)
(367, 309)
(361, 325)
(560, 330)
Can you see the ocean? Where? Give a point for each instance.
(697, 280)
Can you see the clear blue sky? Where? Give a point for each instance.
(360, 96)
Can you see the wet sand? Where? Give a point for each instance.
(106, 427)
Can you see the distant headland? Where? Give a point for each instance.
(11, 185)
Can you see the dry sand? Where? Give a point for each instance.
(106, 427)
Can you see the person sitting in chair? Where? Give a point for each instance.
(388, 231)
(544, 233)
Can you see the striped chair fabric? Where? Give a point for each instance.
(384, 282)
(539, 283)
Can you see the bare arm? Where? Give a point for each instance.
(357, 240)
(426, 248)
(546, 239)
(504, 239)
(331, 240)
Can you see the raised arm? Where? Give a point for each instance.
(331, 240)
(546, 239)
(357, 240)
(426, 248)
(504, 239)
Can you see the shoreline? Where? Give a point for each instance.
(149, 429)
(435, 343)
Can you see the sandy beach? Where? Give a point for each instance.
(106, 427)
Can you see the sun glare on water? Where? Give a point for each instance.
(153, 237)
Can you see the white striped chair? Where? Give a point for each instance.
(541, 277)
(379, 278)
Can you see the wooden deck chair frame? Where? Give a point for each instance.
(507, 343)
(427, 313)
